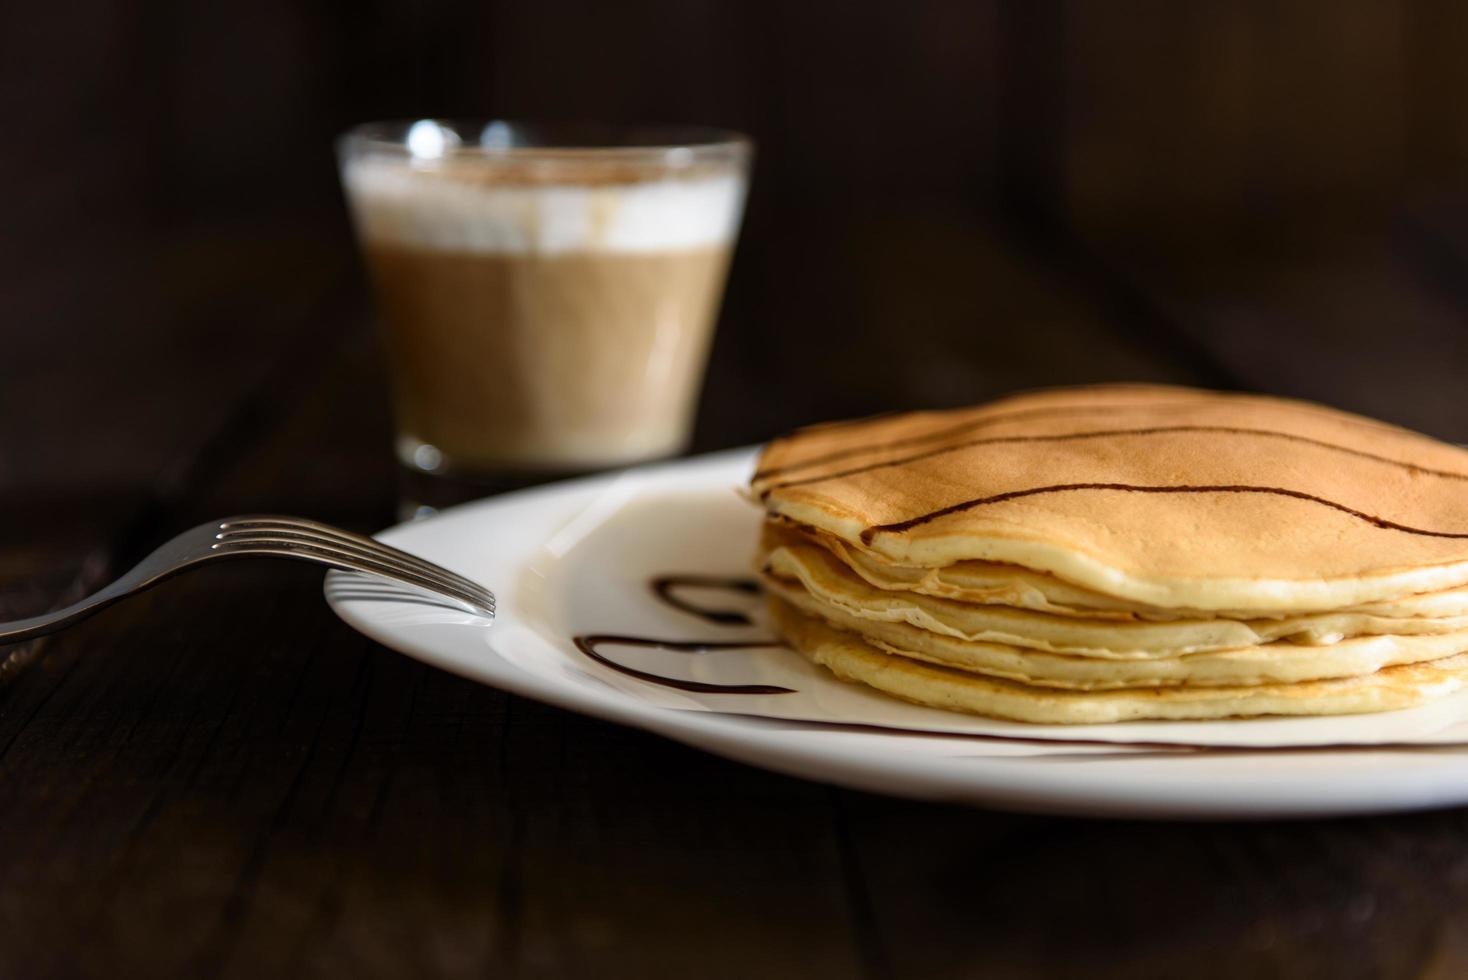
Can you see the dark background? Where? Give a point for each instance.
(952, 200)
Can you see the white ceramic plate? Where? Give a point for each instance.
(577, 559)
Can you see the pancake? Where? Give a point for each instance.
(1273, 663)
(1165, 498)
(832, 584)
(1121, 553)
(853, 659)
(993, 583)
(989, 583)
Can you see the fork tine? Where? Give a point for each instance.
(351, 563)
(289, 527)
(283, 537)
(259, 529)
(300, 525)
(431, 576)
(476, 598)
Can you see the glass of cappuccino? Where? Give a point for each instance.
(548, 294)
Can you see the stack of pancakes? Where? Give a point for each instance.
(1123, 552)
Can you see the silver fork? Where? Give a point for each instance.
(269, 537)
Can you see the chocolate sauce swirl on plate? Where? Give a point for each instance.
(588, 643)
(662, 587)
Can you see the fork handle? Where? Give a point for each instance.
(59, 619)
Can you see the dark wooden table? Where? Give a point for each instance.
(221, 779)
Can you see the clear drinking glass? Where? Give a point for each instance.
(548, 293)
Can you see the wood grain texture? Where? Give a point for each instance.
(220, 779)
(1019, 897)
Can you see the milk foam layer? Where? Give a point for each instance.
(394, 202)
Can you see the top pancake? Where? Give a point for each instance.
(1169, 497)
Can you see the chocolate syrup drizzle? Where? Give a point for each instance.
(1104, 434)
(977, 425)
(912, 522)
(938, 435)
(663, 587)
(1157, 748)
(589, 642)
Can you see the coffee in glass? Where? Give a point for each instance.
(548, 295)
